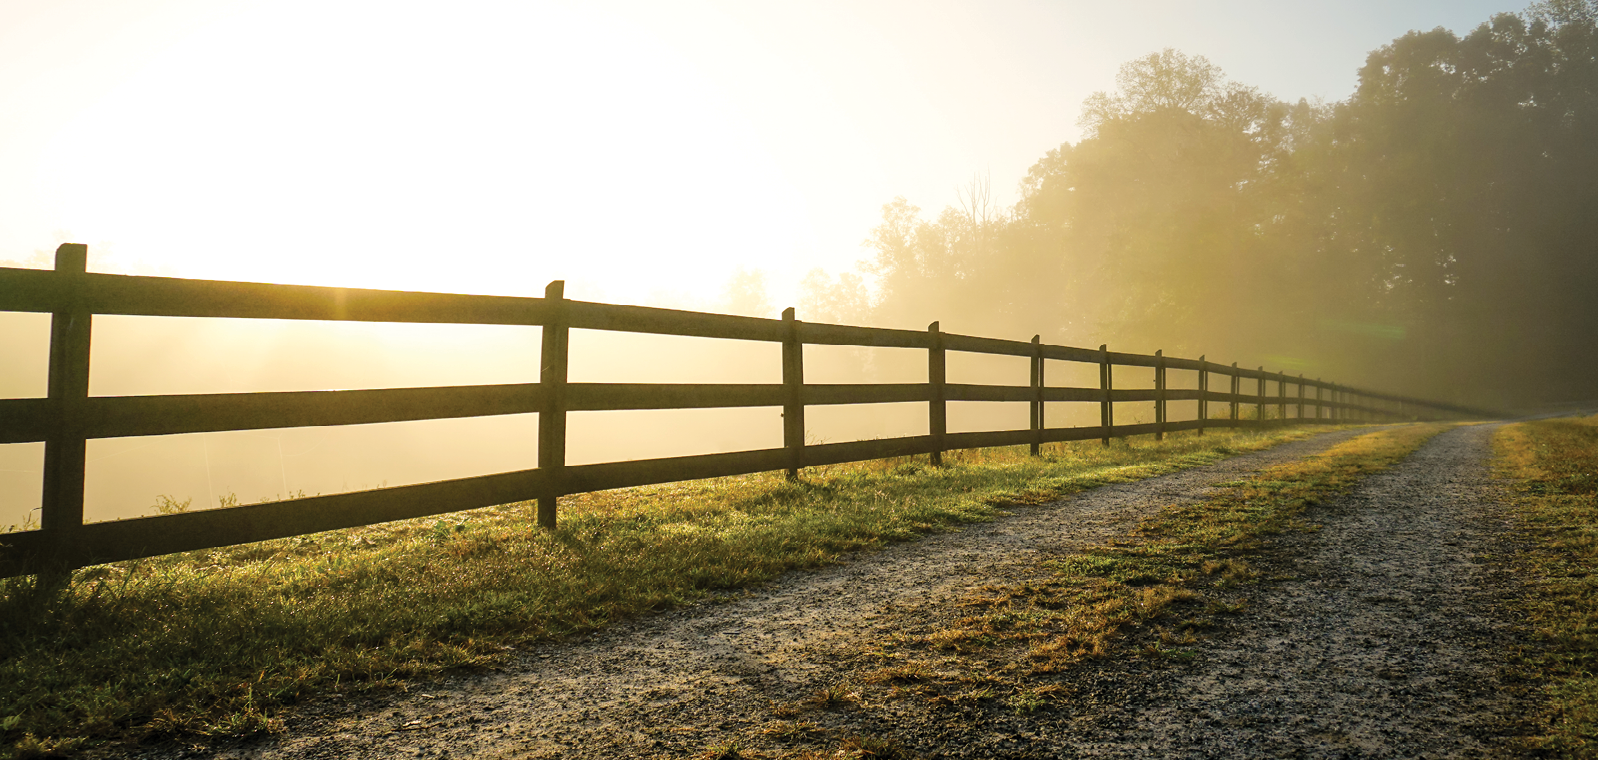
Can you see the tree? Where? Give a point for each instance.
(745, 294)
(843, 300)
(1431, 234)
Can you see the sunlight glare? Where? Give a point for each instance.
(326, 144)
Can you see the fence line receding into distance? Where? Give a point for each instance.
(68, 416)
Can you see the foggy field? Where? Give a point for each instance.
(131, 356)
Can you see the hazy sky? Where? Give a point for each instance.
(638, 150)
(642, 151)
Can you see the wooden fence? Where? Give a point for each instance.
(69, 416)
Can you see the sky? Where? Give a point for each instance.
(642, 151)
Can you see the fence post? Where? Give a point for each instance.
(1281, 397)
(1300, 398)
(552, 372)
(1237, 388)
(61, 508)
(1037, 394)
(937, 409)
(1204, 392)
(1319, 410)
(1260, 402)
(1106, 407)
(793, 383)
(1159, 395)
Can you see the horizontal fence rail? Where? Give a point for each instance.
(68, 417)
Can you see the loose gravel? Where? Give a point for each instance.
(1382, 636)
(1390, 640)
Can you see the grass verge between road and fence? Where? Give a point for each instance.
(1151, 592)
(217, 642)
(1554, 464)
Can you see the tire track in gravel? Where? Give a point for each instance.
(673, 682)
(1390, 642)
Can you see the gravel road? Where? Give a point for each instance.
(1383, 636)
(1390, 640)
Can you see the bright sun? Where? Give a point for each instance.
(487, 151)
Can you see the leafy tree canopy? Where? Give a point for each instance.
(1435, 233)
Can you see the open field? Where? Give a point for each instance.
(218, 643)
(912, 652)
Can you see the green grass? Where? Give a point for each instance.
(1555, 464)
(219, 642)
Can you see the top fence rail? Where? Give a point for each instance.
(68, 417)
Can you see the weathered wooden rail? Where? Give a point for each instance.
(68, 417)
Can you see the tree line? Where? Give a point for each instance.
(1436, 233)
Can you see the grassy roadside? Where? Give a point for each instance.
(217, 642)
(1555, 464)
(1151, 593)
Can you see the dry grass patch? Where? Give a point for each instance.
(1555, 464)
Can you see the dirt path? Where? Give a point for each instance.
(1376, 649)
(1388, 642)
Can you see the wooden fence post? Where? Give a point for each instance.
(937, 409)
(1237, 388)
(1204, 392)
(1319, 410)
(793, 382)
(1037, 394)
(1106, 407)
(61, 508)
(552, 373)
(1260, 402)
(1281, 397)
(1159, 395)
(1300, 398)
